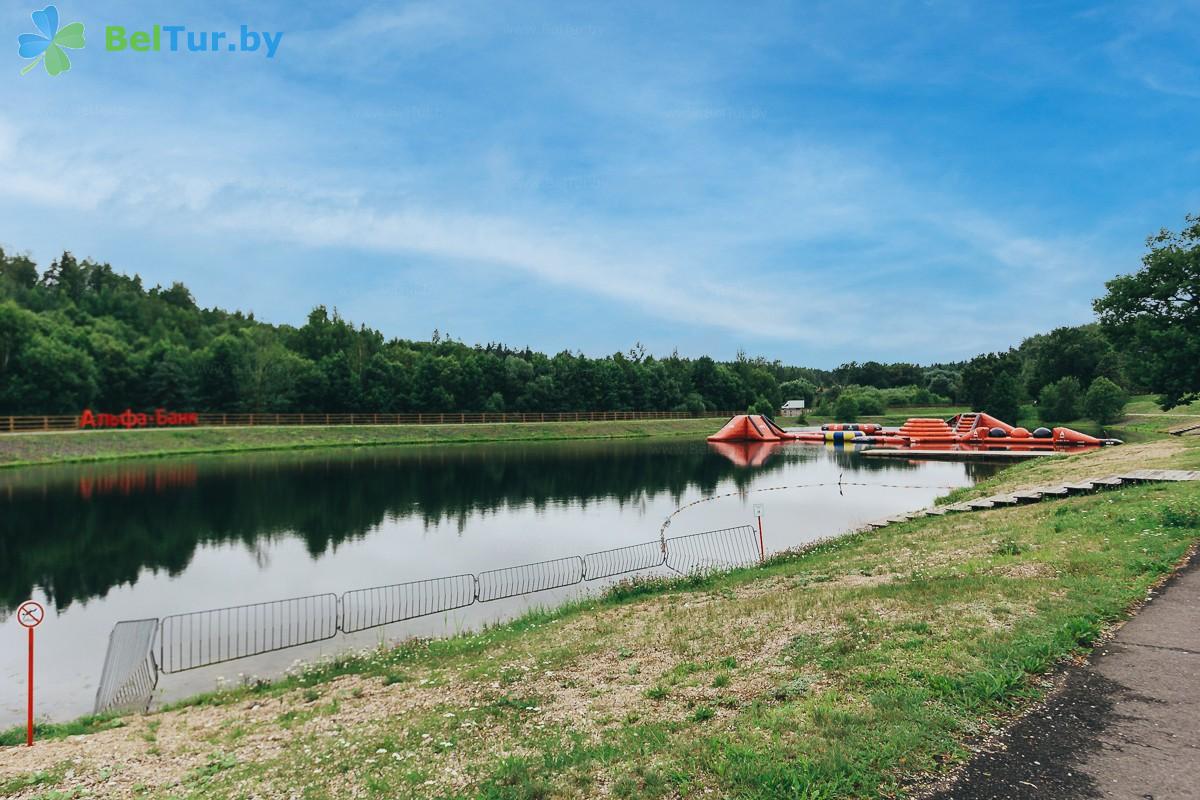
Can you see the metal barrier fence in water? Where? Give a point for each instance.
(713, 550)
(622, 560)
(497, 584)
(203, 638)
(130, 674)
(383, 605)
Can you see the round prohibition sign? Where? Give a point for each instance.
(30, 614)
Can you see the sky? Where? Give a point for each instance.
(810, 182)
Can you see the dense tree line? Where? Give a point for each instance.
(79, 334)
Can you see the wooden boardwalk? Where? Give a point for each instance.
(1036, 493)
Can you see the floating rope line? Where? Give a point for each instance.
(662, 532)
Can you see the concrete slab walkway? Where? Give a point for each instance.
(1126, 725)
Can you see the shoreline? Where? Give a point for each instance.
(80, 447)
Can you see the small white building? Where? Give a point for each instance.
(792, 408)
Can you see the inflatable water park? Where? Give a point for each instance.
(963, 432)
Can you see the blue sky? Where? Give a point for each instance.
(814, 182)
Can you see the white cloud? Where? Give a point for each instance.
(632, 172)
(685, 264)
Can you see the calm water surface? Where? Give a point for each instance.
(101, 543)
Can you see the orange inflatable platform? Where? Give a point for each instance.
(971, 431)
(927, 431)
(751, 428)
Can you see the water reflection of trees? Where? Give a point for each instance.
(78, 532)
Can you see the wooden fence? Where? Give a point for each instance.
(65, 422)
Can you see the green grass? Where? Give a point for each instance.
(13, 737)
(1148, 404)
(49, 448)
(41, 779)
(847, 670)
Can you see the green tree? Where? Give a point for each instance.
(338, 390)
(662, 388)
(540, 395)
(1004, 400)
(1081, 352)
(868, 399)
(170, 379)
(66, 277)
(902, 374)
(1060, 401)
(19, 271)
(178, 295)
(16, 327)
(798, 389)
(989, 383)
(763, 406)
(693, 403)
(517, 373)
(52, 377)
(268, 373)
(117, 366)
(387, 387)
(1105, 401)
(846, 408)
(943, 382)
(220, 368)
(1047, 403)
(1154, 315)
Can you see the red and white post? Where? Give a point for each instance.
(30, 615)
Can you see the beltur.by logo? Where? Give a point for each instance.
(177, 38)
(47, 47)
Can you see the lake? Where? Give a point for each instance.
(101, 543)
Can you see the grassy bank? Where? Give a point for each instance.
(896, 415)
(853, 670)
(52, 448)
(1144, 424)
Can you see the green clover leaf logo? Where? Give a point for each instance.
(47, 47)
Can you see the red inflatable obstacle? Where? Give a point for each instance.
(1068, 436)
(963, 431)
(751, 428)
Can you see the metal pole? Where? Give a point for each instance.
(29, 713)
(762, 553)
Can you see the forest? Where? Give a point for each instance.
(79, 334)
